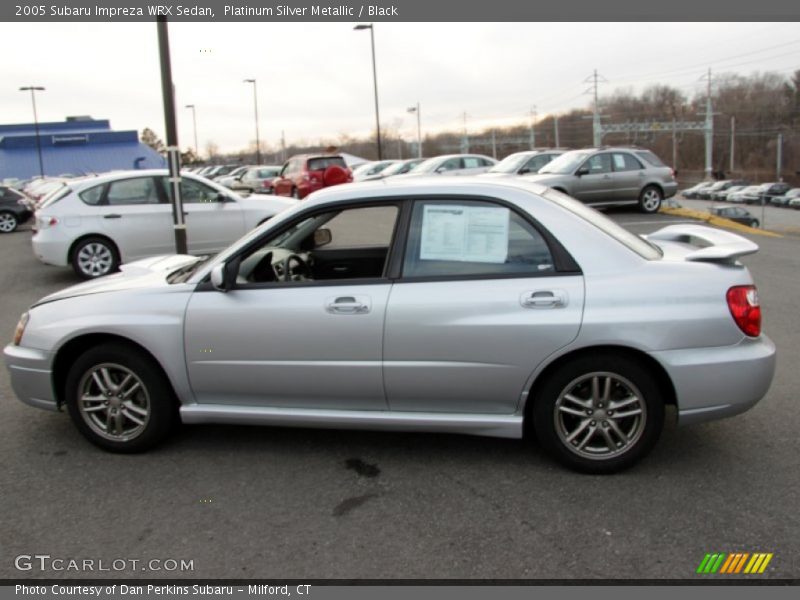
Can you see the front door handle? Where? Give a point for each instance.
(113, 216)
(544, 299)
(348, 305)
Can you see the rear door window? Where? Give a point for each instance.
(141, 190)
(455, 239)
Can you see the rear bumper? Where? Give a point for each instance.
(31, 376)
(713, 383)
(50, 252)
(670, 189)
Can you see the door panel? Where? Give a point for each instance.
(470, 346)
(211, 226)
(297, 347)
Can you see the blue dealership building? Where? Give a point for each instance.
(77, 146)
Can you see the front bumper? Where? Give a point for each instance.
(712, 383)
(31, 376)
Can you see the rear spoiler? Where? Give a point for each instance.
(714, 245)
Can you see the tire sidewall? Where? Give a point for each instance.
(542, 412)
(163, 406)
(95, 240)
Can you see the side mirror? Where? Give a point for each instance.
(218, 278)
(223, 277)
(440, 170)
(322, 237)
(582, 171)
(220, 198)
(524, 171)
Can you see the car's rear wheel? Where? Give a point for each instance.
(119, 399)
(94, 257)
(650, 199)
(598, 414)
(755, 223)
(8, 222)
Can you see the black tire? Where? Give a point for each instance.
(754, 223)
(160, 400)
(103, 248)
(552, 423)
(295, 193)
(650, 199)
(8, 221)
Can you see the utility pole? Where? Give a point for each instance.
(283, 146)
(733, 141)
(597, 133)
(255, 105)
(674, 147)
(32, 89)
(465, 137)
(173, 152)
(555, 124)
(533, 127)
(709, 129)
(416, 109)
(494, 145)
(780, 157)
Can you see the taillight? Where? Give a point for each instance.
(744, 307)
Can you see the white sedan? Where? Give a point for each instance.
(96, 224)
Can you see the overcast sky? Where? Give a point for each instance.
(315, 79)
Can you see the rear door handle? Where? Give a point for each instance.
(347, 305)
(544, 299)
(112, 216)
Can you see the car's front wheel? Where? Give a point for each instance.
(94, 257)
(8, 222)
(119, 399)
(650, 199)
(598, 414)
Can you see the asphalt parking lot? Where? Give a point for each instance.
(255, 502)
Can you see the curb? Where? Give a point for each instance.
(714, 220)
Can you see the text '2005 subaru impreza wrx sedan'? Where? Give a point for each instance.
(473, 307)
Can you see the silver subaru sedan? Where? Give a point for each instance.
(485, 307)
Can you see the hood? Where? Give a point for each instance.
(149, 272)
(275, 201)
(546, 178)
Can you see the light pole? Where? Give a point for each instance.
(371, 28)
(33, 89)
(194, 123)
(415, 109)
(255, 103)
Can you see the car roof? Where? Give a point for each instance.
(392, 187)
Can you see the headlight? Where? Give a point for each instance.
(23, 321)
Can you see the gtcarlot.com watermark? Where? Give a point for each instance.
(48, 563)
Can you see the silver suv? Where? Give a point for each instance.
(611, 176)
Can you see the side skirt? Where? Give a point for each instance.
(503, 426)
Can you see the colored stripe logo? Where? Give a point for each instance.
(734, 563)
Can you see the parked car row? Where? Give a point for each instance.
(741, 192)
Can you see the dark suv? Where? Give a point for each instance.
(15, 209)
(306, 173)
(610, 176)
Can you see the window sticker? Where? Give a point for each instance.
(465, 233)
(619, 162)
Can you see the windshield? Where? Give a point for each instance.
(566, 163)
(426, 166)
(400, 167)
(54, 196)
(510, 164)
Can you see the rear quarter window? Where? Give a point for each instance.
(92, 195)
(650, 158)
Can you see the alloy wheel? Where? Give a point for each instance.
(95, 259)
(600, 415)
(651, 200)
(8, 223)
(113, 401)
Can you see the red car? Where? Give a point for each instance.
(306, 173)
